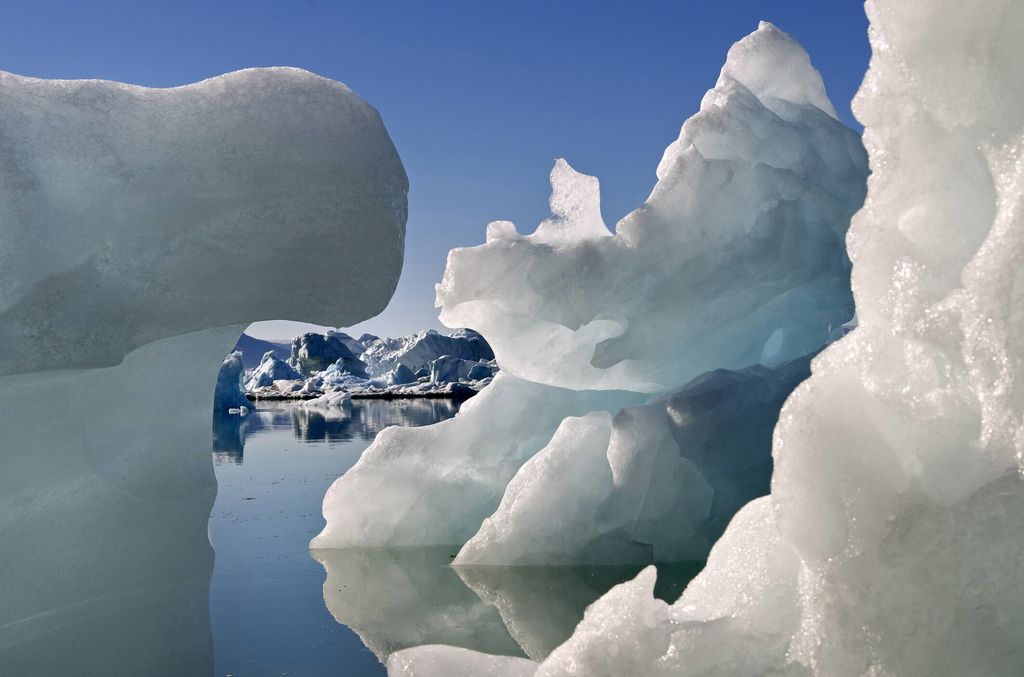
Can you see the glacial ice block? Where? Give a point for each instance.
(732, 271)
(136, 230)
(892, 541)
(434, 485)
(736, 258)
(228, 393)
(658, 483)
(132, 214)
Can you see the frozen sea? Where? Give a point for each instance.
(272, 613)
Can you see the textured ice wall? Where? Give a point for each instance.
(137, 227)
(123, 206)
(658, 483)
(434, 485)
(735, 259)
(893, 539)
(733, 269)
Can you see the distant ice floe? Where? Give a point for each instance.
(320, 366)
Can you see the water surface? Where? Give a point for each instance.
(278, 609)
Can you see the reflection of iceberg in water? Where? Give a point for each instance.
(316, 424)
(404, 597)
(395, 599)
(229, 431)
(541, 606)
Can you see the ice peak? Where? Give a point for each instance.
(772, 65)
(575, 207)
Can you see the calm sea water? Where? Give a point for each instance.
(275, 610)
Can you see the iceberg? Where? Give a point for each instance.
(891, 540)
(450, 369)
(228, 393)
(434, 485)
(270, 370)
(418, 350)
(656, 483)
(314, 352)
(696, 318)
(737, 257)
(133, 231)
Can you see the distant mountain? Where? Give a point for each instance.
(253, 350)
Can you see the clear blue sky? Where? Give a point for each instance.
(479, 97)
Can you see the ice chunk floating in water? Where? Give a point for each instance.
(642, 372)
(892, 541)
(135, 229)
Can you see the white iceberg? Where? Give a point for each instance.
(434, 485)
(734, 264)
(312, 353)
(735, 259)
(418, 350)
(134, 225)
(892, 539)
(270, 370)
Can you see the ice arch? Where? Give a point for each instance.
(140, 231)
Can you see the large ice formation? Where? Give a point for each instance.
(658, 483)
(704, 307)
(112, 187)
(228, 392)
(134, 230)
(417, 351)
(735, 259)
(270, 369)
(434, 485)
(892, 540)
(314, 352)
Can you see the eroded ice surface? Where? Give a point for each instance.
(132, 214)
(735, 259)
(704, 306)
(891, 542)
(135, 229)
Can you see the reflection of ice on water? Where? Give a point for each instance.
(392, 599)
(404, 597)
(309, 424)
